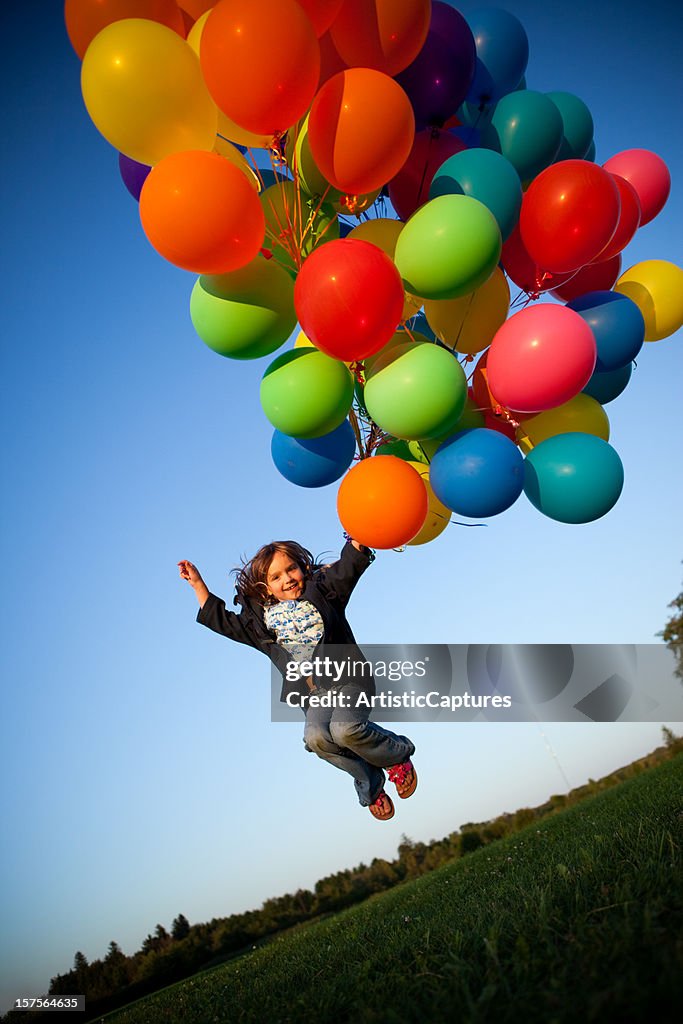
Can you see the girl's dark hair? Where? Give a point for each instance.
(251, 576)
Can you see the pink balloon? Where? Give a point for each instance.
(540, 358)
(649, 176)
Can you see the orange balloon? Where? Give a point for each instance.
(361, 130)
(201, 213)
(85, 18)
(261, 62)
(381, 34)
(382, 502)
(321, 12)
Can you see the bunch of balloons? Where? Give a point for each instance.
(379, 172)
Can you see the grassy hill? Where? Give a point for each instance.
(575, 918)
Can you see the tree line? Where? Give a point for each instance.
(170, 956)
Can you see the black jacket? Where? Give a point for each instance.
(328, 590)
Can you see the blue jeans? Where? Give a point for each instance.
(345, 738)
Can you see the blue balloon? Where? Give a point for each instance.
(486, 176)
(618, 326)
(477, 473)
(573, 478)
(502, 54)
(315, 462)
(605, 387)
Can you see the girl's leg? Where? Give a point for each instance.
(349, 728)
(368, 779)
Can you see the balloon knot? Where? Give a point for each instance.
(357, 369)
(267, 254)
(352, 203)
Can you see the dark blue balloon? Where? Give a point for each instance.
(502, 54)
(477, 473)
(315, 462)
(605, 387)
(617, 324)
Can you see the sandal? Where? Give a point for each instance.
(383, 807)
(404, 778)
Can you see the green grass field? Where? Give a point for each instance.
(577, 918)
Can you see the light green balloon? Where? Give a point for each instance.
(246, 314)
(416, 391)
(305, 393)
(448, 248)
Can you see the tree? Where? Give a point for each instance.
(180, 928)
(672, 634)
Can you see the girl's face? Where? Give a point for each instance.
(284, 579)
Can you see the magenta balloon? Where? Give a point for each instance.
(649, 176)
(540, 358)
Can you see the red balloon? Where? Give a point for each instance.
(649, 176)
(525, 272)
(321, 12)
(569, 215)
(348, 298)
(629, 219)
(487, 404)
(540, 358)
(596, 277)
(410, 188)
(331, 61)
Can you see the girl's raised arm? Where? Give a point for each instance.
(189, 572)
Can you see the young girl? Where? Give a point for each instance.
(290, 606)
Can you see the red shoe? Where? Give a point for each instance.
(383, 807)
(404, 778)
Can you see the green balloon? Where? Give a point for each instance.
(245, 314)
(470, 419)
(416, 391)
(409, 451)
(305, 393)
(449, 247)
(295, 224)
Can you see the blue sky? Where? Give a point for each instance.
(142, 775)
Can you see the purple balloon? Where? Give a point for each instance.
(440, 76)
(133, 174)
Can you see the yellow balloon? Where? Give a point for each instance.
(302, 341)
(144, 91)
(383, 232)
(232, 153)
(226, 128)
(656, 287)
(438, 515)
(581, 414)
(468, 324)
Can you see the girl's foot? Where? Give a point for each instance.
(404, 778)
(382, 808)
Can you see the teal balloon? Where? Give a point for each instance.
(486, 176)
(577, 125)
(416, 391)
(305, 393)
(573, 478)
(526, 128)
(449, 247)
(247, 313)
